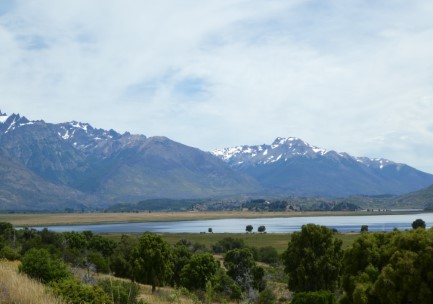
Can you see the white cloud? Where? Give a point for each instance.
(353, 76)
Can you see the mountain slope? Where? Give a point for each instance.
(106, 167)
(418, 199)
(291, 166)
(21, 189)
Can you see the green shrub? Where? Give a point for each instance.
(268, 255)
(316, 297)
(39, 264)
(225, 286)
(99, 261)
(267, 297)
(8, 253)
(75, 292)
(121, 292)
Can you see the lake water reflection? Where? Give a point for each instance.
(273, 225)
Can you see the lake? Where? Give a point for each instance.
(273, 225)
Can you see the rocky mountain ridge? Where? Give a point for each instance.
(290, 165)
(73, 165)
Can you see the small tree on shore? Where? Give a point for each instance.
(249, 228)
(418, 223)
(261, 229)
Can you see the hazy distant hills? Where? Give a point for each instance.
(74, 165)
(289, 165)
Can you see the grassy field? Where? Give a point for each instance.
(47, 219)
(18, 288)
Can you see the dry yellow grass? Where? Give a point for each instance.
(16, 288)
(163, 295)
(47, 219)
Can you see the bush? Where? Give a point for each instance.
(38, 264)
(316, 297)
(99, 261)
(268, 255)
(75, 292)
(267, 297)
(121, 292)
(225, 285)
(8, 253)
(227, 244)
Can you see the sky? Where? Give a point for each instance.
(353, 76)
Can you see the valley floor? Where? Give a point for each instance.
(48, 219)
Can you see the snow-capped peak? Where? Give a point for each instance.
(281, 149)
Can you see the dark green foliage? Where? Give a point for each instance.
(313, 259)
(199, 270)
(418, 223)
(268, 255)
(267, 297)
(39, 264)
(225, 285)
(152, 261)
(101, 244)
(101, 263)
(4, 227)
(261, 229)
(9, 254)
(227, 244)
(181, 256)
(316, 297)
(390, 268)
(75, 292)
(364, 228)
(121, 259)
(249, 228)
(75, 240)
(242, 268)
(120, 292)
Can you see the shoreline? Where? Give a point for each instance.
(58, 219)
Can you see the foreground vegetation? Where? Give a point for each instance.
(312, 267)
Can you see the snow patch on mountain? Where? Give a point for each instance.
(284, 149)
(3, 118)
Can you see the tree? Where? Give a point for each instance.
(313, 259)
(261, 229)
(224, 285)
(418, 223)
(241, 267)
(198, 271)
(38, 264)
(152, 260)
(209, 230)
(364, 228)
(249, 228)
(121, 259)
(391, 267)
(181, 257)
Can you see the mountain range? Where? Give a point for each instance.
(46, 166)
(292, 166)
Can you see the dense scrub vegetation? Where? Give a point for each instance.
(393, 267)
